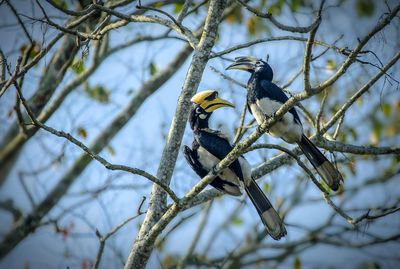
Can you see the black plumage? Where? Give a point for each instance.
(193, 160)
(264, 98)
(211, 146)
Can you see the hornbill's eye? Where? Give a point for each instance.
(198, 110)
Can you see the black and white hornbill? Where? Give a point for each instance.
(210, 147)
(264, 98)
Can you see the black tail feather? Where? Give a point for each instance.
(324, 167)
(270, 218)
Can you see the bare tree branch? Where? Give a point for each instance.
(278, 24)
(149, 231)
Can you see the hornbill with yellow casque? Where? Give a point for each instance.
(264, 98)
(210, 147)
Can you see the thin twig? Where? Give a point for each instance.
(8, 205)
(21, 23)
(228, 78)
(278, 24)
(96, 157)
(321, 110)
(103, 239)
(26, 190)
(200, 229)
(360, 92)
(337, 129)
(324, 192)
(11, 80)
(184, 11)
(308, 50)
(3, 66)
(240, 130)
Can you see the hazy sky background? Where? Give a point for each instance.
(140, 144)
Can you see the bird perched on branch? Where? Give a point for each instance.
(210, 147)
(264, 98)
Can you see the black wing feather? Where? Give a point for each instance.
(219, 147)
(273, 92)
(192, 159)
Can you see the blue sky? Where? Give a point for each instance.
(140, 143)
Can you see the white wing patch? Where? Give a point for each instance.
(286, 128)
(208, 161)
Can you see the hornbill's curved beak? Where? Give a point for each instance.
(246, 63)
(209, 101)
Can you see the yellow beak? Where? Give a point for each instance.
(243, 63)
(210, 105)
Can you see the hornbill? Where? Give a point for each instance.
(209, 147)
(264, 98)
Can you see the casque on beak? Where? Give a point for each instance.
(243, 63)
(209, 101)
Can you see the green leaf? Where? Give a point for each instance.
(251, 25)
(256, 25)
(169, 261)
(235, 16)
(82, 132)
(110, 150)
(159, 244)
(353, 133)
(33, 51)
(158, 4)
(394, 163)
(276, 8)
(98, 93)
(295, 5)
(266, 187)
(77, 66)
(393, 129)
(178, 8)
(386, 109)
(359, 102)
(352, 167)
(376, 133)
(331, 64)
(370, 265)
(365, 8)
(61, 3)
(237, 221)
(397, 105)
(153, 69)
(342, 137)
(297, 263)
(263, 3)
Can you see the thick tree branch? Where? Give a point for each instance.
(25, 226)
(91, 153)
(149, 230)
